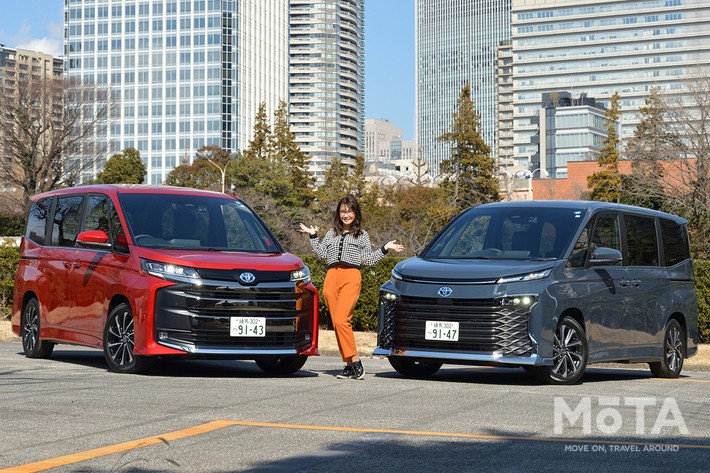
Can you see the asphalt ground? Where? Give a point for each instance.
(71, 414)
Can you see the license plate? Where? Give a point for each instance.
(247, 327)
(447, 331)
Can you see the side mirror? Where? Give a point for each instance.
(603, 256)
(93, 239)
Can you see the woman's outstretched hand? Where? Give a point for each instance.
(308, 229)
(393, 245)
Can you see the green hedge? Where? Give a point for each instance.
(9, 256)
(702, 290)
(365, 317)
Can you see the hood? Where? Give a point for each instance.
(467, 270)
(225, 259)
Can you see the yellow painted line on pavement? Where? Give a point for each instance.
(219, 424)
(117, 448)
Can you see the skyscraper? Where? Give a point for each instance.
(599, 48)
(327, 80)
(184, 73)
(456, 42)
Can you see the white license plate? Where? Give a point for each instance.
(247, 327)
(447, 331)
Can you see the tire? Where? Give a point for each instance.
(281, 365)
(29, 330)
(673, 352)
(118, 342)
(569, 354)
(414, 368)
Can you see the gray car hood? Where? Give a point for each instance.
(467, 270)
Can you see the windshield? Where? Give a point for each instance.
(173, 221)
(508, 233)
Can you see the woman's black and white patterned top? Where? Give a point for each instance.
(346, 249)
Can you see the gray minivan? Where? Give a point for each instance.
(550, 286)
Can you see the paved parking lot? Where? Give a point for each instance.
(71, 413)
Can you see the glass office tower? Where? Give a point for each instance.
(456, 42)
(182, 73)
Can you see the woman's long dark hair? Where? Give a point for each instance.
(350, 203)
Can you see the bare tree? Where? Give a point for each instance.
(50, 132)
(670, 155)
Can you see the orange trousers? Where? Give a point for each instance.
(341, 290)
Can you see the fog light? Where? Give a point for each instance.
(308, 337)
(162, 335)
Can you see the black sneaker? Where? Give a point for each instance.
(347, 372)
(358, 370)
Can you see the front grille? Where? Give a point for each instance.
(485, 326)
(198, 317)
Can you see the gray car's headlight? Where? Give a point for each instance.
(524, 277)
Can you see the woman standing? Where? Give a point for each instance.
(345, 248)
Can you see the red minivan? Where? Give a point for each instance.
(156, 271)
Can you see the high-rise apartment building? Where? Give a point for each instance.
(504, 83)
(456, 43)
(183, 73)
(25, 74)
(599, 47)
(327, 80)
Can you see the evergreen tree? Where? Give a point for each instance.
(285, 149)
(258, 169)
(123, 168)
(652, 144)
(606, 183)
(469, 172)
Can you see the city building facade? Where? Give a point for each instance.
(570, 129)
(327, 80)
(379, 138)
(182, 74)
(23, 74)
(456, 43)
(598, 48)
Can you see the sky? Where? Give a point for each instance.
(38, 25)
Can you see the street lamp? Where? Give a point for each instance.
(529, 176)
(222, 169)
(508, 182)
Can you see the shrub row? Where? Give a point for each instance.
(365, 317)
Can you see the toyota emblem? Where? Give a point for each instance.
(247, 278)
(445, 291)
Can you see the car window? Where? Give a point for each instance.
(607, 232)
(676, 247)
(96, 217)
(67, 221)
(37, 220)
(195, 222)
(120, 242)
(508, 233)
(641, 240)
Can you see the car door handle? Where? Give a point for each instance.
(624, 282)
(67, 264)
(635, 282)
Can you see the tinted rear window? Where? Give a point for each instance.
(675, 242)
(37, 220)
